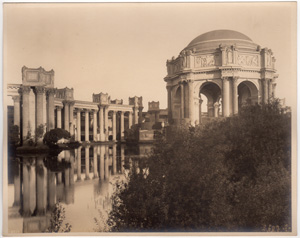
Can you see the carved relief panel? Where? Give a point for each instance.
(248, 60)
(202, 61)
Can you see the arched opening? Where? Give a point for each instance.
(210, 101)
(247, 94)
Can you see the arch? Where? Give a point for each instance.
(247, 93)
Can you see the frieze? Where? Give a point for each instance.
(247, 60)
(205, 61)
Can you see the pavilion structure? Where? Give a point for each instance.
(224, 66)
(37, 103)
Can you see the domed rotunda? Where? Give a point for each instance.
(224, 68)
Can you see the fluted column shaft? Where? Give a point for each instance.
(40, 187)
(191, 103)
(50, 94)
(169, 89)
(102, 153)
(58, 117)
(16, 110)
(140, 114)
(95, 125)
(234, 95)
(71, 108)
(265, 84)
(216, 109)
(66, 116)
(101, 123)
(200, 111)
(78, 124)
(225, 97)
(182, 101)
(87, 128)
(114, 126)
(114, 162)
(260, 91)
(25, 90)
(135, 109)
(106, 123)
(122, 126)
(39, 105)
(130, 120)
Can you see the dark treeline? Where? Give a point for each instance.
(231, 175)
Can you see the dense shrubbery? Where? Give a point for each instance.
(231, 175)
(54, 135)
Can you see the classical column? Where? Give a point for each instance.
(191, 102)
(140, 114)
(79, 163)
(169, 89)
(106, 123)
(225, 97)
(66, 115)
(25, 90)
(95, 125)
(67, 170)
(58, 116)
(39, 91)
(216, 109)
(87, 128)
(95, 162)
(50, 97)
(130, 120)
(265, 85)
(71, 118)
(135, 109)
(16, 110)
(235, 95)
(210, 108)
(114, 126)
(122, 126)
(101, 123)
(87, 162)
(78, 124)
(200, 111)
(269, 89)
(181, 101)
(260, 91)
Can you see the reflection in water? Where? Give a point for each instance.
(81, 180)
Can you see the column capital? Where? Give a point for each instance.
(78, 109)
(25, 90)
(39, 90)
(69, 102)
(168, 87)
(235, 78)
(200, 101)
(224, 78)
(16, 98)
(58, 107)
(51, 91)
(86, 109)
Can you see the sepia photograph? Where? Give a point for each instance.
(149, 119)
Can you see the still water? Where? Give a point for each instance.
(82, 180)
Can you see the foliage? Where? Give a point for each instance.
(51, 137)
(132, 134)
(57, 219)
(230, 175)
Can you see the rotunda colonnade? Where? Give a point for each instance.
(224, 67)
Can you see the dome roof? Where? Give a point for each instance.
(213, 39)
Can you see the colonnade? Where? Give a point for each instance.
(103, 120)
(38, 101)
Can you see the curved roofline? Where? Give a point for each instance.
(220, 35)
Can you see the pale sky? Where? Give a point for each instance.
(121, 49)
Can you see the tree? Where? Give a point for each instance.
(230, 175)
(53, 136)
